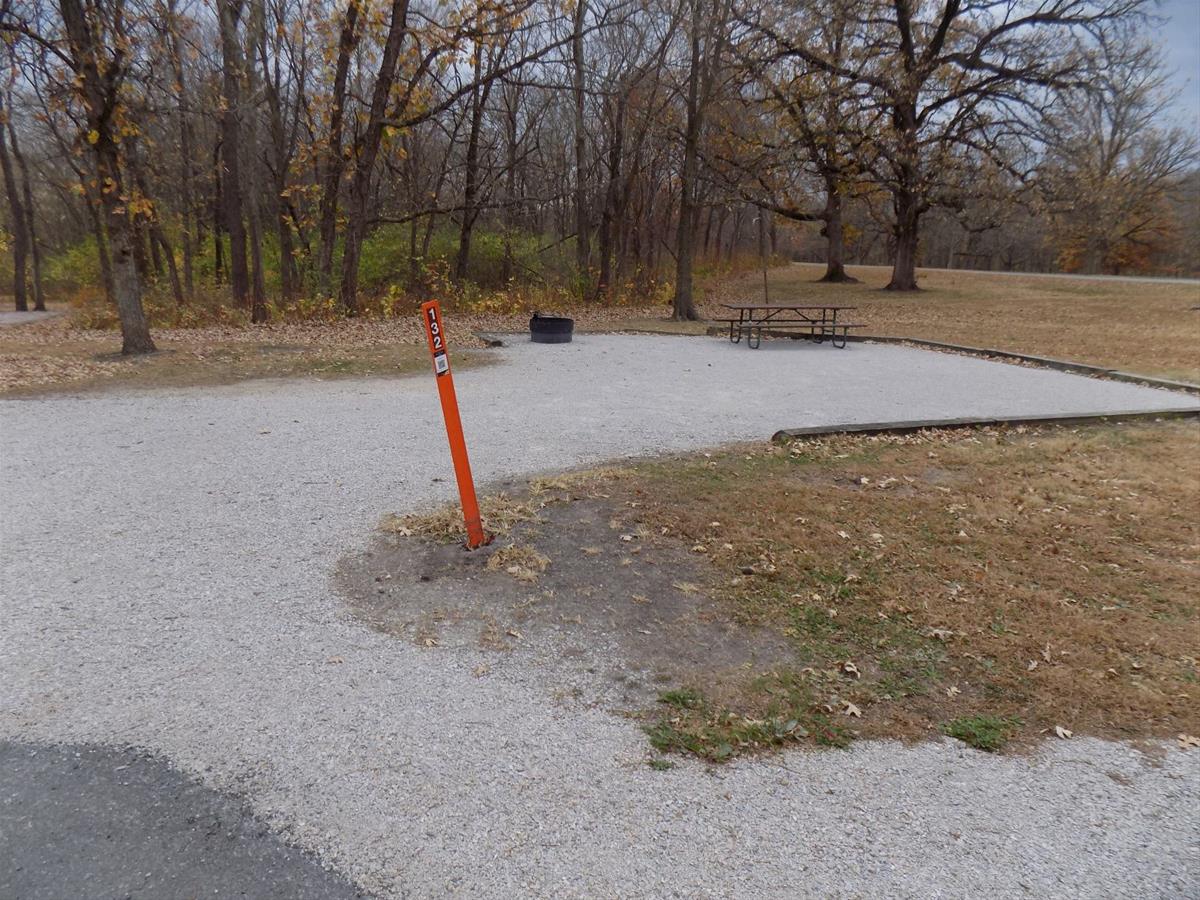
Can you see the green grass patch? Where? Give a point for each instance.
(988, 733)
(772, 711)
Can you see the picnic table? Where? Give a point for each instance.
(817, 322)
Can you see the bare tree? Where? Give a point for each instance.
(98, 54)
(1111, 167)
(18, 221)
(707, 35)
(954, 75)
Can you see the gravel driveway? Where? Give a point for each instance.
(166, 584)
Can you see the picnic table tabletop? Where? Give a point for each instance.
(797, 306)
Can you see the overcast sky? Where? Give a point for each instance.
(1180, 37)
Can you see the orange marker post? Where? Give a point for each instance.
(431, 315)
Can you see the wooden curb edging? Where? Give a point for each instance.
(1048, 362)
(1061, 365)
(913, 425)
(496, 339)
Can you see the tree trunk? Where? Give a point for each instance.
(707, 33)
(835, 240)
(906, 202)
(18, 221)
(135, 329)
(283, 157)
(155, 257)
(735, 234)
(582, 226)
(470, 181)
(612, 198)
(231, 143)
(904, 269)
(683, 305)
(106, 273)
(156, 235)
(333, 162)
(218, 205)
(186, 194)
(98, 91)
(508, 264)
(252, 169)
(368, 150)
(414, 259)
(35, 250)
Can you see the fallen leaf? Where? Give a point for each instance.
(627, 537)
(640, 598)
(952, 691)
(335, 660)
(852, 710)
(851, 669)
(512, 632)
(699, 548)
(1188, 742)
(1063, 732)
(1032, 665)
(843, 534)
(480, 670)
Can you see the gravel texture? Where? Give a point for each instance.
(166, 583)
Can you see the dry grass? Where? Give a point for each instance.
(1139, 327)
(992, 584)
(521, 561)
(499, 512)
(51, 356)
(1145, 328)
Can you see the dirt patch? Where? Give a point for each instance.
(578, 581)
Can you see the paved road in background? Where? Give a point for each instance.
(1146, 279)
(12, 317)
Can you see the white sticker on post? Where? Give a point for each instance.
(441, 365)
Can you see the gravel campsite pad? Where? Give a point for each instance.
(170, 581)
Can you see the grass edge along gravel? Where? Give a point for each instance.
(994, 585)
